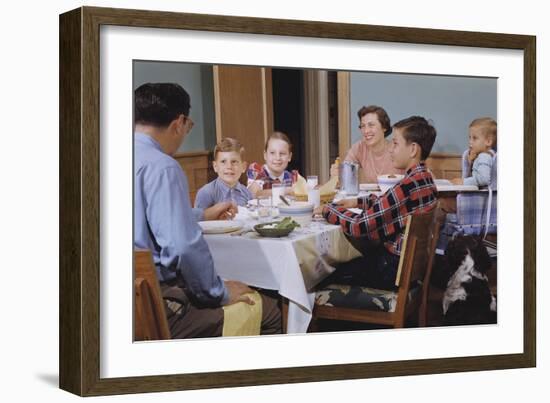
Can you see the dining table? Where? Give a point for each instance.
(292, 265)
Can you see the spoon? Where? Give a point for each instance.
(284, 200)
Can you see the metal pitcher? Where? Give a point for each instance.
(349, 177)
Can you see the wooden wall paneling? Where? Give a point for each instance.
(344, 129)
(316, 124)
(196, 166)
(445, 165)
(244, 106)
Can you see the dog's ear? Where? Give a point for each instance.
(481, 256)
(455, 252)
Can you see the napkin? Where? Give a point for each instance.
(329, 187)
(300, 187)
(242, 319)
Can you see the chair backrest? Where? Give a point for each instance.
(417, 255)
(416, 248)
(150, 322)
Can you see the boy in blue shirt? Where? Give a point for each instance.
(229, 165)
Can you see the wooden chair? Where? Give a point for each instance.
(150, 322)
(415, 267)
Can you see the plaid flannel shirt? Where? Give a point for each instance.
(384, 217)
(257, 172)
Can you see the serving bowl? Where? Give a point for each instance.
(299, 211)
(265, 230)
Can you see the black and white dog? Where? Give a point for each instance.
(468, 299)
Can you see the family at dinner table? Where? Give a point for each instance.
(166, 222)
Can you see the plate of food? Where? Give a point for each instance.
(276, 229)
(219, 226)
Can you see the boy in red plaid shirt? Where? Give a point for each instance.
(383, 218)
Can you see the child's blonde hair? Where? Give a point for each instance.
(488, 128)
(278, 136)
(228, 144)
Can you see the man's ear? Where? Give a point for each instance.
(215, 166)
(177, 124)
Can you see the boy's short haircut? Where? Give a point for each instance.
(416, 129)
(278, 136)
(382, 115)
(228, 144)
(158, 104)
(488, 128)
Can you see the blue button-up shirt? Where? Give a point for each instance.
(218, 191)
(165, 223)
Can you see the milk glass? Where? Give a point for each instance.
(312, 181)
(314, 197)
(277, 190)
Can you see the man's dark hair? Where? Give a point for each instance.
(418, 130)
(158, 104)
(381, 114)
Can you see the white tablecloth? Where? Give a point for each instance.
(289, 265)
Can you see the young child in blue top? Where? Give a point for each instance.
(229, 165)
(479, 160)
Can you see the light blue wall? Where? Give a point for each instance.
(450, 102)
(198, 82)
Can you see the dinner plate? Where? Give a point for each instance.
(219, 227)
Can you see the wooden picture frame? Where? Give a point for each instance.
(80, 200)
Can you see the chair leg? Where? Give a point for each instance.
(313, 325)
(423, 309)
(284, 313)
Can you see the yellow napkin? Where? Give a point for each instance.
(329, 187)
(300, 187)
(242, 319)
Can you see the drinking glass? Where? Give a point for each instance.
(277, 190)
(314, 197)
(264, 207)
(312, 181)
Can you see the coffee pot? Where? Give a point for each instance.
(349, 177)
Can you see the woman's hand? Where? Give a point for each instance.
(335, 170)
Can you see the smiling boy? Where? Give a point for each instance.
(383, 218)
(229, 166)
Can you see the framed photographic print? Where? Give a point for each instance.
(105, 54)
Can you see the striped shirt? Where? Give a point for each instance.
(384, 217)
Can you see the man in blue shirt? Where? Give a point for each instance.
(165, 223)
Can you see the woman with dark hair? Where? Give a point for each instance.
(372, 152)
